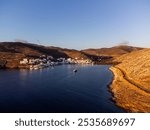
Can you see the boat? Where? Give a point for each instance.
(75, 70)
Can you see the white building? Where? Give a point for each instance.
(24, 61)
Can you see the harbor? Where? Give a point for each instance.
(48, 61)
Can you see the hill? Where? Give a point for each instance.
(131, 84)
(12, 52)
(113, 51)
(72, 53)
(30, 50)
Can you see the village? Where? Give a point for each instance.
(48, 61)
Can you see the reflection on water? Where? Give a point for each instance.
(57, 89)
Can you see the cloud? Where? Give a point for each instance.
(20, 40)
(125, 43)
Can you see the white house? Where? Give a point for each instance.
(24, 61)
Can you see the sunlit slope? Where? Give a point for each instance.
(136, 65)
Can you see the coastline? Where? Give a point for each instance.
(128, 94)
(112, 94)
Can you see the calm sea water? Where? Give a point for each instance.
(57, 89)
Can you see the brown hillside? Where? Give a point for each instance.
(113, 51)
(72, 53)
(131, 84)
(29, 49)
(13, 52)
(137, 66)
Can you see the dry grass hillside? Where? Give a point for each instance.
(113, 51)
(131, 84)
(137, 66)
(12, 52)
(9, 51)
(71, 53)
(11, 60)
(29, 49)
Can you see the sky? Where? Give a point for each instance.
(76, 24)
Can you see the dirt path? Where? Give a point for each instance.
(132, 82)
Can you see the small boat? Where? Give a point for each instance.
(75, 70)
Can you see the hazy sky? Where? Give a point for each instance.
(76, 23)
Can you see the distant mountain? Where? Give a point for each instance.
(113, 51)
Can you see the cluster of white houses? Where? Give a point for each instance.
(47, 61)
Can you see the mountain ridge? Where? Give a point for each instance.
(12, 52)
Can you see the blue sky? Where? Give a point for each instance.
(76, 24)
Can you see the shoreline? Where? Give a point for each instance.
(112, 94)
(127, 94)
